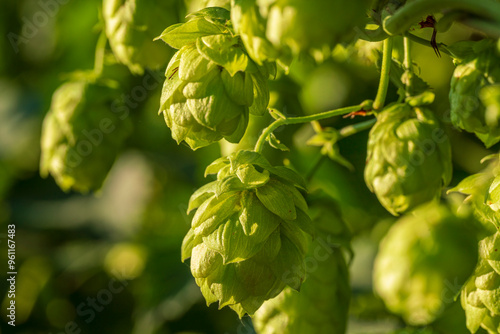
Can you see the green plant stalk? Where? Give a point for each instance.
(408, 66)
(302, 119)
(442, 47)
(100, 51)
(384, 75)
(355, 128)
(412, 12)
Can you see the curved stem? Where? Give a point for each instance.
(442, 47)
(412, 12)
(302, 119)
(99, 53)
(408, 66)
(355, 128)
(384, 75)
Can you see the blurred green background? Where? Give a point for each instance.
(110, 262)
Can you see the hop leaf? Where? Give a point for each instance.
(131, 27)
(422, 255)
(81, 136)
(250, 232)
(409, 158)
(475, 93)
(211, 84)
(322, 304)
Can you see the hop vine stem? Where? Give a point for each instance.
(100, 52)
(384, 74)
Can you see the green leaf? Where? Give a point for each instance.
(289, 264)
(204, 261)
(201, 195)
(216, 166)
(228, 288)
(213, 14)
(230, 183)
(260, 93)
(256, 220)
(190, 241)
(277, 199)
(192, 66)
(237, 87)
(275, 143)
(250, 177)
(182, 34)
(289, 175)
(214, 212)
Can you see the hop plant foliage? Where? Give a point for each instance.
(211, 83)
(481, 295)
(131, 26)
(81, 136)
(250, 233)
(422, 255)
(408, 159)
(322, 304)
(475, 91)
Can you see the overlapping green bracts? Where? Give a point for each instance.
(423, 261)
(211, 84)
(274, 29)
(250, 233)
(81, 136)
(481, 295)
(322, 304)
(475, 91)
(409, 158)
(131, 26)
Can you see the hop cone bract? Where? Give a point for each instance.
(131, 26)
(423, 261)
(81, 136)
(475, 91)
(211, 84)
(322, 304)
(409, 158)
(250, 232)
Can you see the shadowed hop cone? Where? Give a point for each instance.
(250, 233)
(409, 158)
(81, 136)
(211, 84)
(481, 295)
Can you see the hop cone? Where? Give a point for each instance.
(81, 136)
(481, 295)
(211, 84)
(475, 91)
(422, 263)
(131, 26)
(322, 304)
(409, 158)
(249, 235)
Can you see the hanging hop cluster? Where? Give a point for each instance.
(277, 29)
(418, 259)
(409, 158)
(211, 83)
(475, 91)
(81, 136)
(131, 26)
(250, 233)
(323, 302)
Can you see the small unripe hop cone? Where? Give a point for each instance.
(409, 158)
(250, 232)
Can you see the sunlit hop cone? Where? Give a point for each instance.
(423, 262)
(409, 158)
(475, 91)
(481, 295)
(81, 136)
(322, 304)
(250, 233)
(211, 84)
(131, 26)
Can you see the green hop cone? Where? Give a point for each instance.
(250, 233)
(81, 136)
(481, 295)
(211, 84)
(409, 158)
(131, 26)
(475, 91)
(322, 304)
(423, 262)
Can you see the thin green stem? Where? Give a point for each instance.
(384, 75)
(317, 164)
(407, 63)
(412, 12)
(442, 47)
(355, 128)
(100, 51)
(302, 119)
